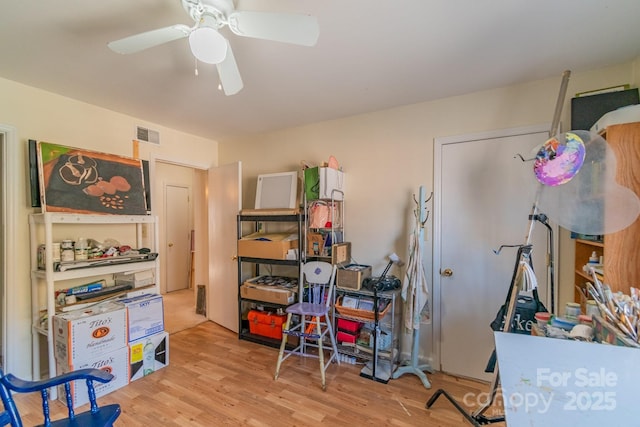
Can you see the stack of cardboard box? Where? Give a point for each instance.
(148, 341)
(126, 337)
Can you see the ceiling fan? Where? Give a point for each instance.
(209, 46)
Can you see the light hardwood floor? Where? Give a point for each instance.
(215, 379)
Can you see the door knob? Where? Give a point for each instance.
(447, 272)
(170, 245)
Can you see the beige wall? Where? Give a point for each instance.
(388, 154)
(40, 115)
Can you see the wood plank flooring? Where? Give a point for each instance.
(214, 379)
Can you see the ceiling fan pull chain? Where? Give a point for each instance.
(196, 71)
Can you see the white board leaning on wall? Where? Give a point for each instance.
(549, 381)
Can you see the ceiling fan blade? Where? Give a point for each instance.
(229, 74)
(288, 28)
(142, 41)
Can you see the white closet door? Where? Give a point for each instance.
(484, 195)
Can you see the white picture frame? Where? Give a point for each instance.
(277, 191)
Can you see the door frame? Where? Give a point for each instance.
(9, 205)
(153, 159)
(439, 142)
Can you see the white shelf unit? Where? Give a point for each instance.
(48, 277)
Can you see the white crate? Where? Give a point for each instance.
(148, 355)
(85, 334)
(115, 362)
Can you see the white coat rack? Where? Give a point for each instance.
(414, 367)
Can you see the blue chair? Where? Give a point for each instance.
(314, 324)
(96, 417)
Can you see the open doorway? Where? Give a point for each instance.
(179, 201)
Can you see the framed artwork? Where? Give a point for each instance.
(75, 180)
(34, 194)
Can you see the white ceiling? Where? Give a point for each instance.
(371, 55)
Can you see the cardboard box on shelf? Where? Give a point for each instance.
(137, 279)
(115, 362)
(273, 294)
(267, 245)
(352, 275)
(81, 335)
(145, 315)
(148, 355)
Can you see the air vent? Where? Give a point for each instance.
(147, 135)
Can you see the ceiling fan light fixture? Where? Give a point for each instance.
(208, 45)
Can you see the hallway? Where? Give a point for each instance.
(180, 311)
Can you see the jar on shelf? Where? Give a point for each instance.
(66, 251)
(572, 309)
(592, 308)
(81, 249)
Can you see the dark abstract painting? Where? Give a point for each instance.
(74, 180)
